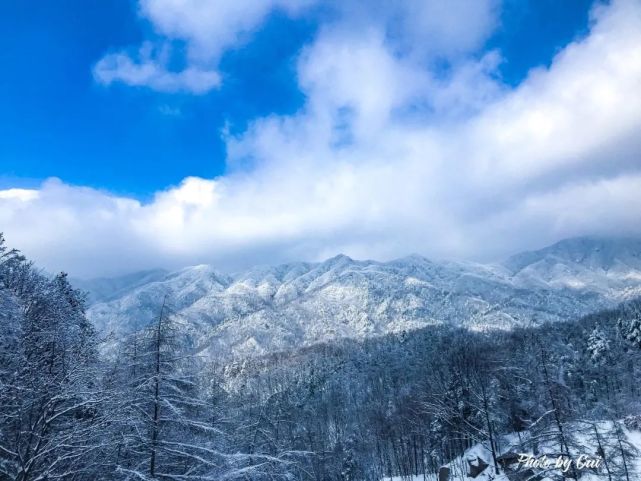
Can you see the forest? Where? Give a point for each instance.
(78, 405)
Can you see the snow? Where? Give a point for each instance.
(510, 443)
(610, 267)
(304, 303)
(412, 478)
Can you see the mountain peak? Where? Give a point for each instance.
(339, 258)
(304, 303)
(589, 251)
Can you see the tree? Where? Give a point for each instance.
(165, 412)
(630, 323)
(48, 422)
(598, 346)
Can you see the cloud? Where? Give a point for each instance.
(152, 72)
(386, 158)
(426, 28)
(206, 29)
(19, 194)
(208, 26)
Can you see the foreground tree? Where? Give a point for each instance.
(48, 392)
(165, 417)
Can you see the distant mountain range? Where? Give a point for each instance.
(266, 309)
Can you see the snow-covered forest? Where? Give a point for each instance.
(305, 240)
(78, 405)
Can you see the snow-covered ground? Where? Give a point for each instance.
(584, 442)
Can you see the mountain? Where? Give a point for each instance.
(105, 288)
(609, 267)
(266, 309)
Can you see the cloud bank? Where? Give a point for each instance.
(388, 156)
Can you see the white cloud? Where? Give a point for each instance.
(211, 26)
(385, 159)
(208, 28)
(19, 194)
(152, 72)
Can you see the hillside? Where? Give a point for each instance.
(272, 308)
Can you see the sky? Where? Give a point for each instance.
(137, 134)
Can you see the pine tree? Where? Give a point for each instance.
(165, 412)
(630, 324)
(598, 346)
(48, 414)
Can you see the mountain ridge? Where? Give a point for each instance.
(269, 308)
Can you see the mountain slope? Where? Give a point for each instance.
(105, 288)
(273, 308)
(609, 267)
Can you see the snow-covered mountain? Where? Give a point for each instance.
(273, 308)
(610, 267)
(106, 288)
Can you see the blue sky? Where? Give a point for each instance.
(56, 121)
(147, 133)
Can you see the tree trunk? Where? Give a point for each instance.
(154, 426)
